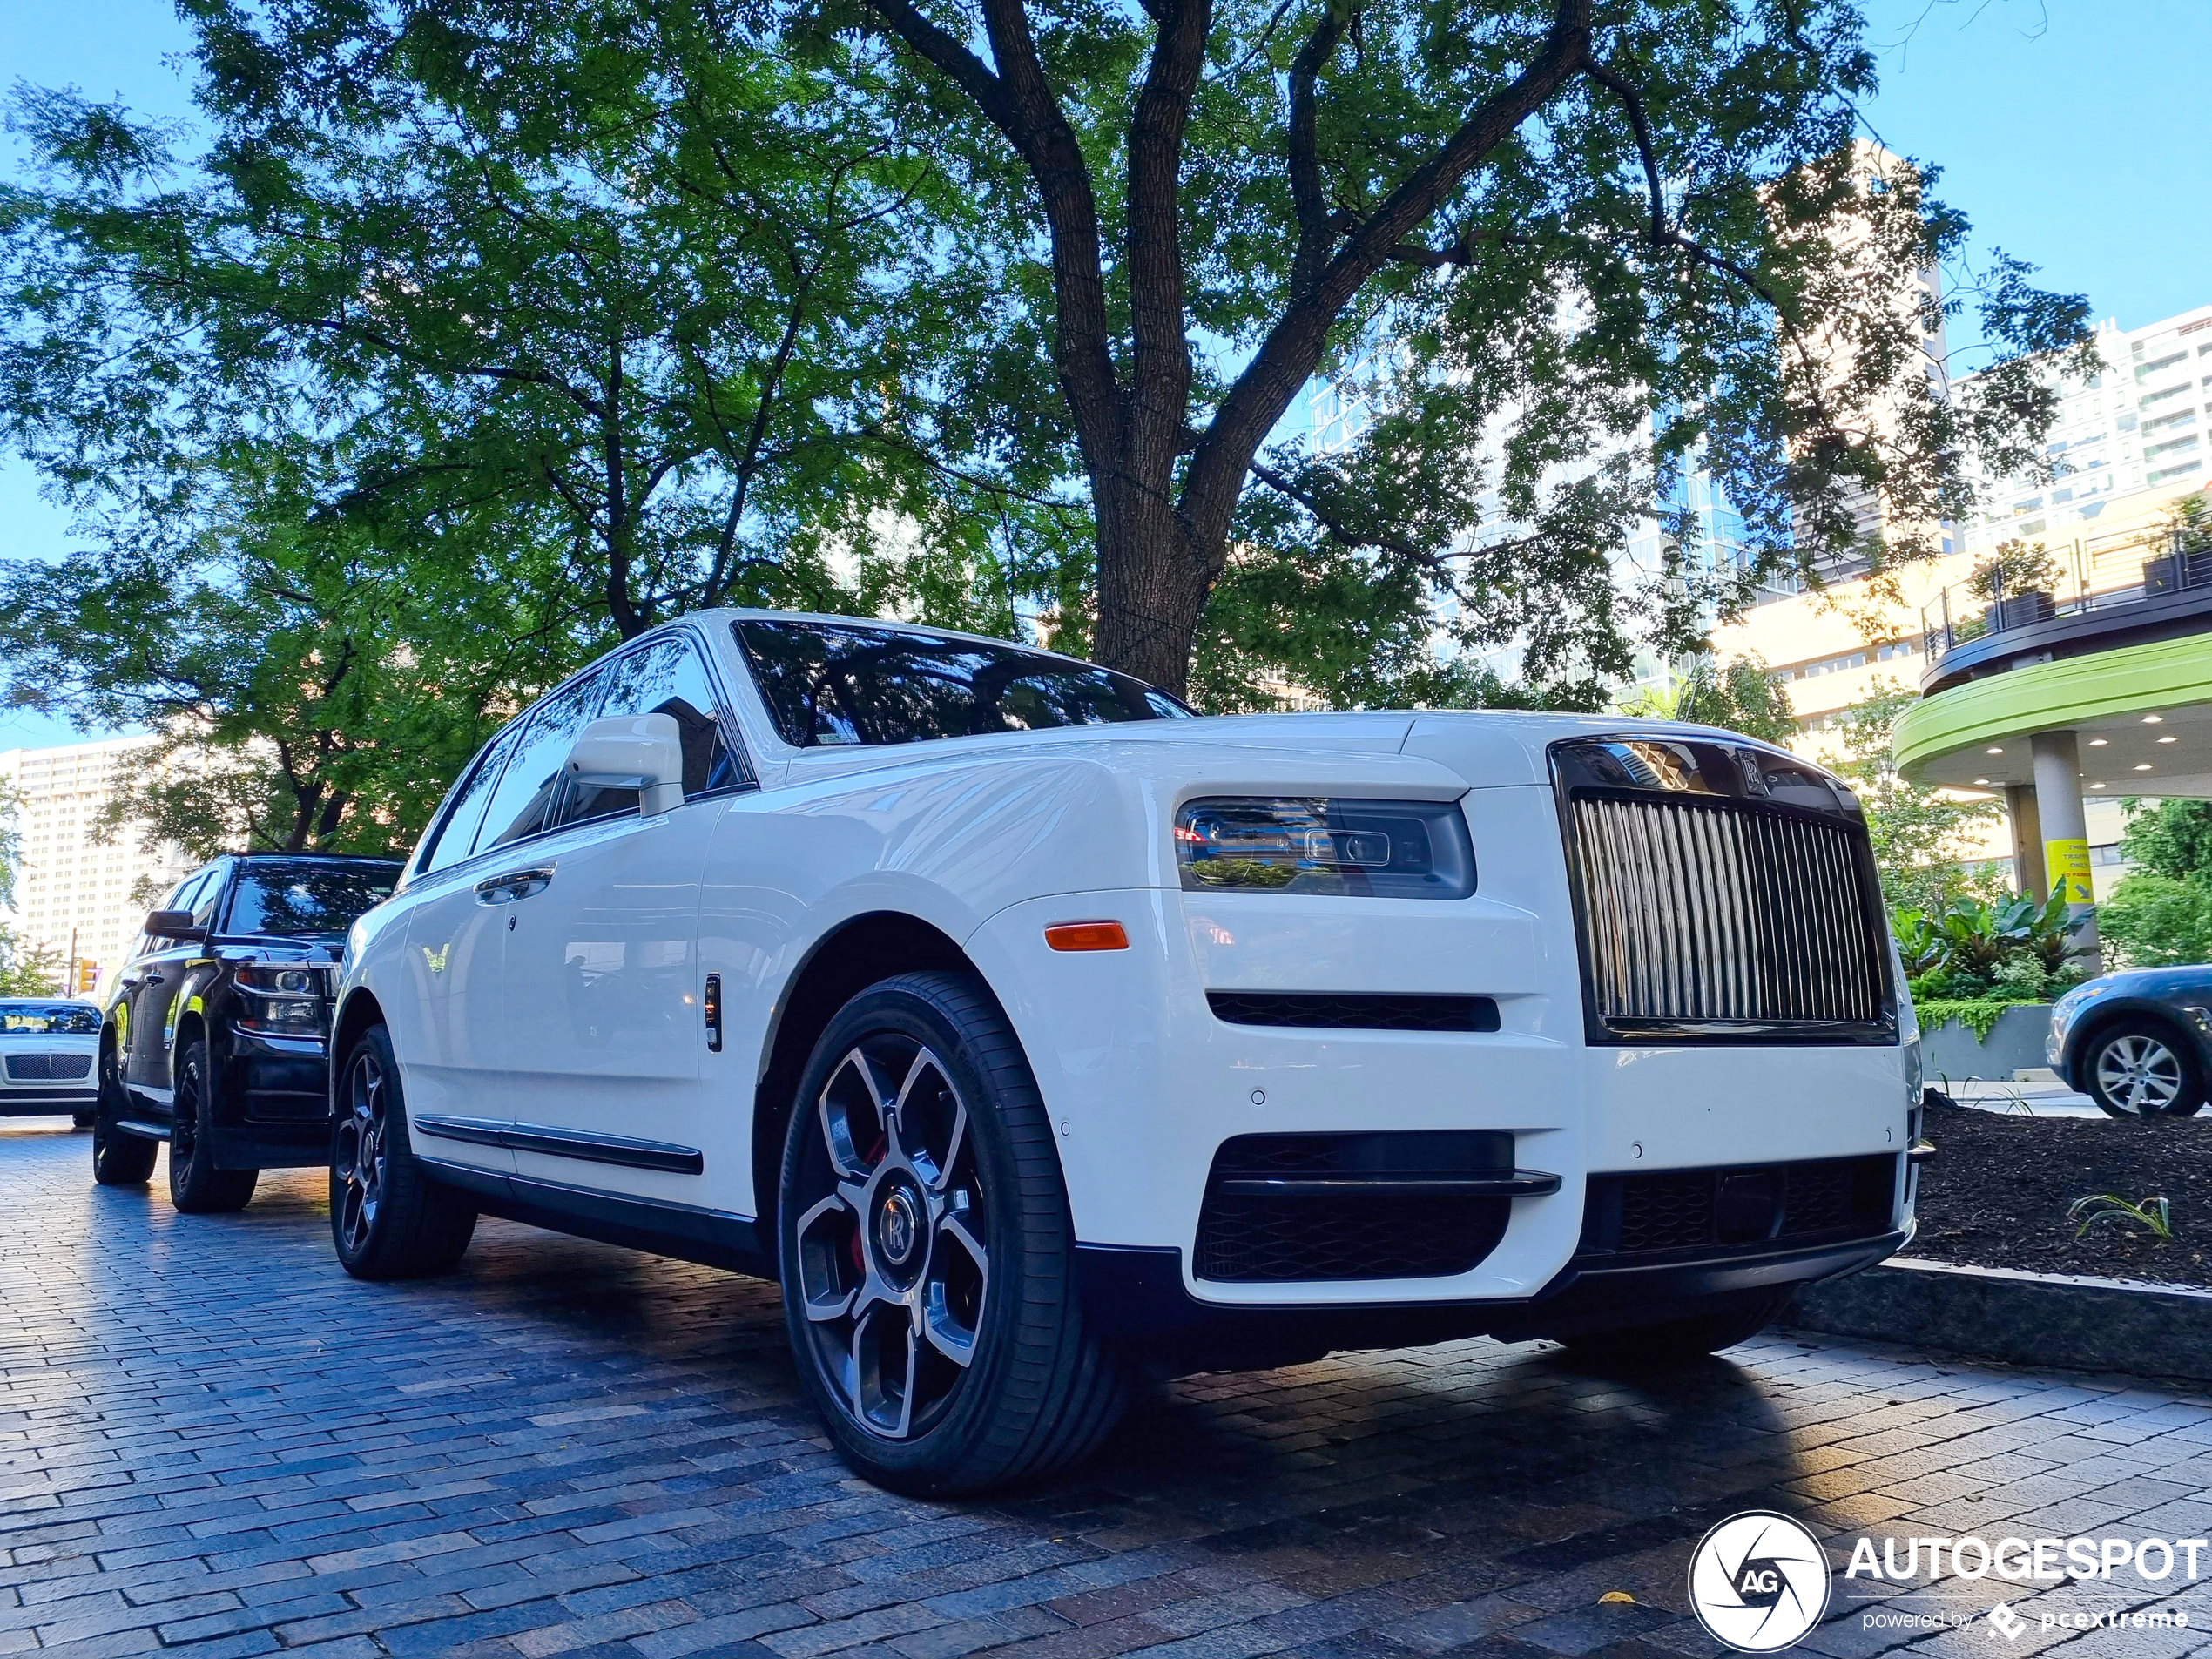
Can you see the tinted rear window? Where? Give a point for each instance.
(827, 682)
(273, 898)
(47, 1019)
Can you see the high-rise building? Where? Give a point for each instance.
(69, 890)
(2127, 450)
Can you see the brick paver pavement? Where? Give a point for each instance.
(212, 1440)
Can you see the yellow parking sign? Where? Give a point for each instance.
(2066, 865)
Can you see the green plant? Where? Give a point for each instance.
(2011, 950)
(1979, 1014)
(2153, 1213)
(2015, 568)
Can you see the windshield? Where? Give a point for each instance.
(840, 683)
(50, 1019)
(274, 896)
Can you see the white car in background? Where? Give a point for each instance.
(48, 1047)
(1034, 1033)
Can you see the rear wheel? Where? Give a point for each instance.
(2143, 1068)
(119, 1159)
(196, 1186)
(927, 1257)
(387, 1218)
(1729, 1321)
(82, 1120)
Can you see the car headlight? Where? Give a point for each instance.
(281, 999)
(1384, 849)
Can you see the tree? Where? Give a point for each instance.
(1737, 696)
(1585, 227)
(1921, 836)
(632, 288)
(299, 694)
(2169, 837)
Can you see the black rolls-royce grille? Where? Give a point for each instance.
(1351, 1206)
(48, 1067)
(1707, 913)
(1749, 1205)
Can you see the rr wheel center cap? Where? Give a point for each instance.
(899, 1222)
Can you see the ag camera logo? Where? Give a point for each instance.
(1758, 1581)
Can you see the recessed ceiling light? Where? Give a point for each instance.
(2144, 767)
(2154, 719)
(2099, 743)
(1992, 752)
(2096, 785)
(1981, 780)
(2169, 737)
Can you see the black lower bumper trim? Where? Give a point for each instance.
(1136, 1297)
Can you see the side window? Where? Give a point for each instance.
(194, 891)
(529, 791)
(203, 898)
(460, 832)
(665, 678)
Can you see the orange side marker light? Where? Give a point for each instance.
(1086, 935)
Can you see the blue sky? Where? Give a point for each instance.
(2076, 134)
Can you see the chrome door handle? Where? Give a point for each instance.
(515, 884)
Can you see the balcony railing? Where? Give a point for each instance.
(2131, 570)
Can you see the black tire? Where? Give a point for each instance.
(961, 1140)
(2143, 1068)
(1732, 1318)
(82, 1120)
(119, 1159)
(387, 1218)
(196, 1186)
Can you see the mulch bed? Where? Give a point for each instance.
(1995, 1195)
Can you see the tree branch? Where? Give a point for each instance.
(1302, 158)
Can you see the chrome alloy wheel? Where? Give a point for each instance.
(2139, 1075)
(893, 1268)
(358, 1153)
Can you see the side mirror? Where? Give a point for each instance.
(639, 752)
(174, 924)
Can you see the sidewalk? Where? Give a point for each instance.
(2033, 1099)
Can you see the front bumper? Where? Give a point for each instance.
(41, 1101)
(273, 1103)
(1137, 1298)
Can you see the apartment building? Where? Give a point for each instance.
(68, 891)
(2103, 519)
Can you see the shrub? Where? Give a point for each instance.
(2153, 921)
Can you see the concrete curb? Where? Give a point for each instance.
(2029, 1318)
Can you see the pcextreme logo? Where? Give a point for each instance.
(1758, 1581)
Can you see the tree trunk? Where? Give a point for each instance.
(1152, 581)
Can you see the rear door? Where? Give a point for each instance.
(603, 1009)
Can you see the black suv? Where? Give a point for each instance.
(214, 1034)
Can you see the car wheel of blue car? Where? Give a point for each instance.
(926, 1255)
(2140, 1068)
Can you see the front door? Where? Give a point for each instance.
(159, 980)
(446, 1033)
(603, 1009)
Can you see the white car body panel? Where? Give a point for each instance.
(990, 840)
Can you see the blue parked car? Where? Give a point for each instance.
(2138, 1044)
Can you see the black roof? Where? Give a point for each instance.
(317, 858)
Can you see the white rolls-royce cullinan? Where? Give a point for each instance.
(1035, 1034)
